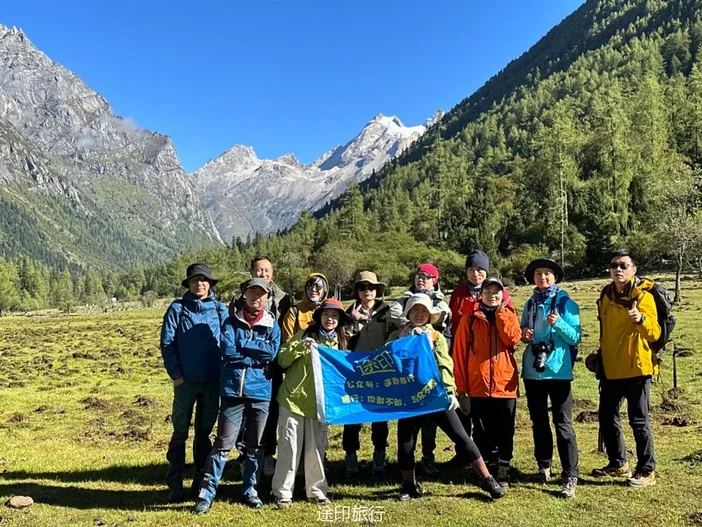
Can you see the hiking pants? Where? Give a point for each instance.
(204, 398)
(300, 437)
(637, 392)
(230, 419)
(538, 394)
(493, 427)
(379, 437)
(408, 429)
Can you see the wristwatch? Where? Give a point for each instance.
(641, 320)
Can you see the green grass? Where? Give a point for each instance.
(85, 403)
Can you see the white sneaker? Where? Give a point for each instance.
(544, 474)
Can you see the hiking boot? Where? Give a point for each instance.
(642, 479)
(613, 471)
(323, 500)
(351, 464)
(568, 488)
(492, 487)
(202, 506)
(283, 504)
(176, 494)
(544, 474)
(429, 467)
(410, 491)
(268, 466)
(254, 502)
(503, 474)
(379, 462)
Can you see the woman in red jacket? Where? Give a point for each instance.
(486, 374)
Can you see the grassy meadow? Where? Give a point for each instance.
(84, 426)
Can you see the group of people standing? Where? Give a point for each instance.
(250, 364)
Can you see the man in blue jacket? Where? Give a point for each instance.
(190, 337)
(250, 341)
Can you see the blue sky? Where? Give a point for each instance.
(297, 76)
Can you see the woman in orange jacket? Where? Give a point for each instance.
(486, 374)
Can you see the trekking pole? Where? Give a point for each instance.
(675, 370)
(600, 435)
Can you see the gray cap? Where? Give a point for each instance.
(256, 282)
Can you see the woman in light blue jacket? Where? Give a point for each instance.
(551, 329)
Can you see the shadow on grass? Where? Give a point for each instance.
(152, 474)
(82, 498)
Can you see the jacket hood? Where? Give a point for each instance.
(266, 321)
(196, 304)
(326, 293)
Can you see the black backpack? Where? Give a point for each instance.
(666, 319)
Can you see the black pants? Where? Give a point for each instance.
(379, 437)
(637, 392)
(270, 433)
(428, 438)
(493, 427)
(538, 394)
(408, 429)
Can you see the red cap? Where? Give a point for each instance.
(429, 269)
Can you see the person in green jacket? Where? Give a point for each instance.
(300, 430)
(420, 313)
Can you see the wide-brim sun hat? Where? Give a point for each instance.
(548, 263)
(369, 277)
(196, 269)
(421, 299)
(332, 303)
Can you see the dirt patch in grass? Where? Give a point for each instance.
(695, 518)
(144, 402)
(677, 421)
(693, 459)
(18, 419)
(46, 409)
(587, 416)
(584, 404)
(95, 403)
(685, 352)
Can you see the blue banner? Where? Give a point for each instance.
(399, 380)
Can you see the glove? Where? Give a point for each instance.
(464, 401)
(308, 342)
(453, 403)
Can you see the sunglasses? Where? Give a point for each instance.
(622, 266)
(423, 276)
(366, 287)
(315, 287)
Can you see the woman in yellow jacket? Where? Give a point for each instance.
(300, 315)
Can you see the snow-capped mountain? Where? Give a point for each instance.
(245, 194)
(88, 186)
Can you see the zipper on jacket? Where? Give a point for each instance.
(241, 386)
(492, 376)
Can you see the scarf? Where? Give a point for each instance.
(540, 297)
(474, 291)
(489, 311)
(330, 335)
(252, 317)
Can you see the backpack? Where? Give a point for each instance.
(560, 309)
(666, 320)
